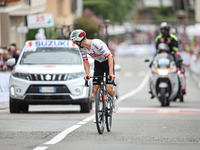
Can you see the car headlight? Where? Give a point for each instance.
(21, 75)
(75, 75)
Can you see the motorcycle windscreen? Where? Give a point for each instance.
(163, 60)
(163, 63)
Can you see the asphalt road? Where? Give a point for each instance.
(139, 124)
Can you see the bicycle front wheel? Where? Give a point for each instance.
(100, 111)
(109, 114)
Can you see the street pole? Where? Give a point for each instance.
(106, 25)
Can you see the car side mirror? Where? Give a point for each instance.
(146, 60)
(11, 62)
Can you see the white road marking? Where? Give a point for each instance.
(89, 118)
(138, 89)
(62, 135)
(40, 148)
(81, 123)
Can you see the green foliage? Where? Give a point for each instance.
(162, 13)
(115, 10)
(31, 34)
(88, 25)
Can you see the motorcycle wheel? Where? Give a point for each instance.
(181, 97)
(163, 99)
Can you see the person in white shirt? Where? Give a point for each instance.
(40, 35)
(104, 62)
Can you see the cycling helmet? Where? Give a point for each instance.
(77, 35)
(163, 47)
(165, 26)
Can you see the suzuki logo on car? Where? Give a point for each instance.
(48, 77)
(51, 43)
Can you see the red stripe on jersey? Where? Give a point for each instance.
(107, 55)
(85, 58)
(96, 55)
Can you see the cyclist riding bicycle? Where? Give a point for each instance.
(104, 62)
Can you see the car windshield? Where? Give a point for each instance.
(51, 55)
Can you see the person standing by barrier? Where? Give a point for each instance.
(3, 59)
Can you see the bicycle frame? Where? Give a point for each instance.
(106, 109)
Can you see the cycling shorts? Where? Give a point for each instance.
(99, 69)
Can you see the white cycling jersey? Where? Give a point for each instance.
(99, 51)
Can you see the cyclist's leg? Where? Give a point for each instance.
(98, 71)
(95, 89)
(110, 90)
(109, 84)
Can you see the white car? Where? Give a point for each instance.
(49, 72)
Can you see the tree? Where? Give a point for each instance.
(114, 10)
(88, 25)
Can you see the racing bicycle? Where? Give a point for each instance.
(104, 106)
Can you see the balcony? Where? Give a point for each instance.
(22, 7)
(8, 2)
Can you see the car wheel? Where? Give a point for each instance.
(91, 105)
(85, 108)
(14, 107)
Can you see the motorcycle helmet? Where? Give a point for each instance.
(163, 47)
(78, 35)
(164, 26)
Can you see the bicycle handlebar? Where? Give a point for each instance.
(86, 82)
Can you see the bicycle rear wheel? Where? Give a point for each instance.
(100, 111)
(109, 114)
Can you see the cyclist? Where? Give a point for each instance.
(104, 62)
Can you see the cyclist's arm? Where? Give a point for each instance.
(111, 65)
(87, 67)
(86, 64)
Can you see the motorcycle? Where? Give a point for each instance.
(164, 82)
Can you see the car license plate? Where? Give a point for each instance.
(47, 89)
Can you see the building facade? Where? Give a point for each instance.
(64, 11)
(12, 15)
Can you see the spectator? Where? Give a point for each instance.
(3, 61)
(14, 53)
(40, 35)
(1, 58)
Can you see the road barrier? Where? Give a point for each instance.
(4, 89)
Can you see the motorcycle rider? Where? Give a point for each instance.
(171, 40)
